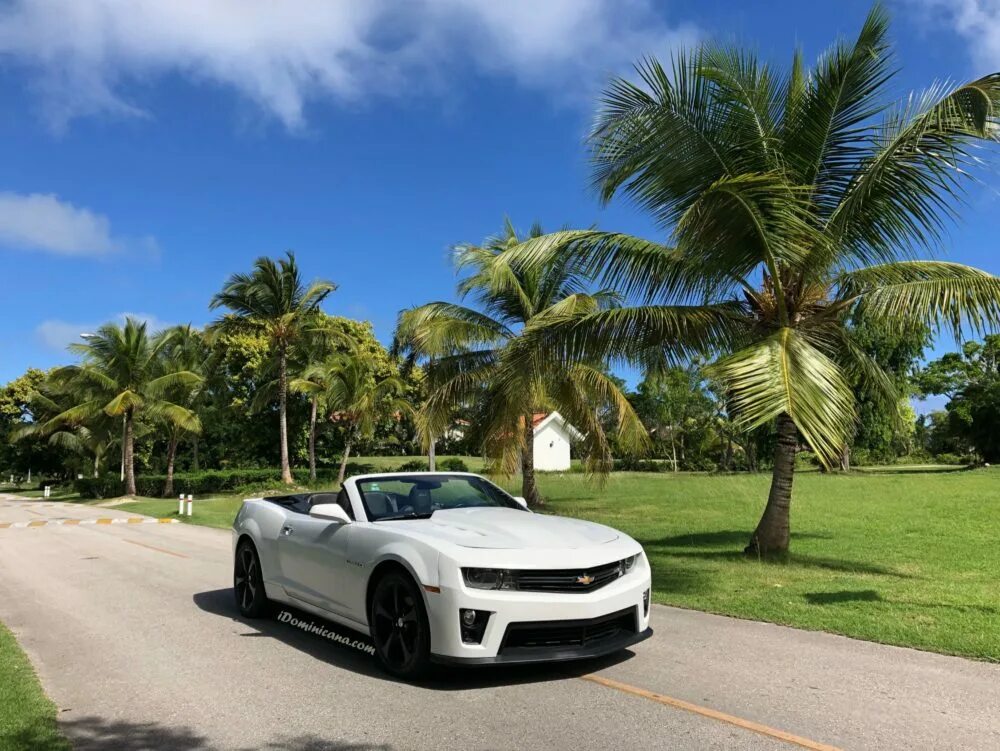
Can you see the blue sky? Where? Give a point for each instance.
(150, 149)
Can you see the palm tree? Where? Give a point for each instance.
(120, 376)
(185, 351)
(274, 300)
(93, 438)
(470, 347)
(353, 396)
(321, 341)
(793, 202)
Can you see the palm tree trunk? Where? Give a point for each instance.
(431, 456)
(168, 486)
(529, 488)
(312, 440)
(343, 460)
(286, 468)
(845, 459)
(194, 456)
(128, 454)
(770, 540)
(97, 464)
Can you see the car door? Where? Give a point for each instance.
(312, 554)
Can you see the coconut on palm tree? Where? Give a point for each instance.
(352, 396)
(274, 300)
(471, 346)
(120, 376)
(792, 201)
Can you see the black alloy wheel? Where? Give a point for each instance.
(248, 582)
(399, 626)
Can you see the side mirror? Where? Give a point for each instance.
(521, 502)
(331, 511)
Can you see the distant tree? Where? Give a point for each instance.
(884, 427)
(471, 347)
(353, 396)
(677, 408)
(971, 378)
(185, 351)
(120, 376)
(275, 301)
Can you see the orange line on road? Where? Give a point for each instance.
(153, 547)
(739, 722)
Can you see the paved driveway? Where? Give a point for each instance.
(134, 634)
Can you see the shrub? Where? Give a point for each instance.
(414, 465)
(806, 460)
(631, 464)
(453, 464)
(107, 486)
(948, 458)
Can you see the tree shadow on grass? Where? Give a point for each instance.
(837, 598)
(444, 677)
(721, 538)
(870, 595)
(97, 734)
(794, 559)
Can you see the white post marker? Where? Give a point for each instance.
(190, 504)
(48, 489)
(180, 505)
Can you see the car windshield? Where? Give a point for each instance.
(419, 496)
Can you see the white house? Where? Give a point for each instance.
(552, 439)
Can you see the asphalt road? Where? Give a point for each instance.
(135, 637)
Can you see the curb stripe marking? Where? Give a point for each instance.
(153, 547)
(74, 522)
(710, 713)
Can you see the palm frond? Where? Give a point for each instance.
(935, 293)
(785, 374)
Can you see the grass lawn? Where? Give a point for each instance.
(27, 717)
(897, 556)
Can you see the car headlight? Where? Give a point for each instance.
(488, 578)
(628, 564)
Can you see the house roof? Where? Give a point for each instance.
(540, 420)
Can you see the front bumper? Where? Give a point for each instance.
(547, 610)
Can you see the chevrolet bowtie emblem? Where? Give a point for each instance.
(585, 579)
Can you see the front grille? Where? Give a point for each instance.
(567, 580)
(563, 634)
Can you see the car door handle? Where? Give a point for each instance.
(286, 530)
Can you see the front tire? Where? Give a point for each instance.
(248, 582)
(399, 626)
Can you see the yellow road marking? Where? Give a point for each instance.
(153, 547)
(72, 521)
(104, 520)
(167, 521)
(37, 523)
(739, 722)
(135, 520)
(4, 525)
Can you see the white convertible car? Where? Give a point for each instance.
(443, 567)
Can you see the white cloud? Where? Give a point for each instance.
(977, 21)
(280, 55)
(58, 335)
(40, 221)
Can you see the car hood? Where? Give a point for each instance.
(504, 528)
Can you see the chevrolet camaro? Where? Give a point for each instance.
(443, 567)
